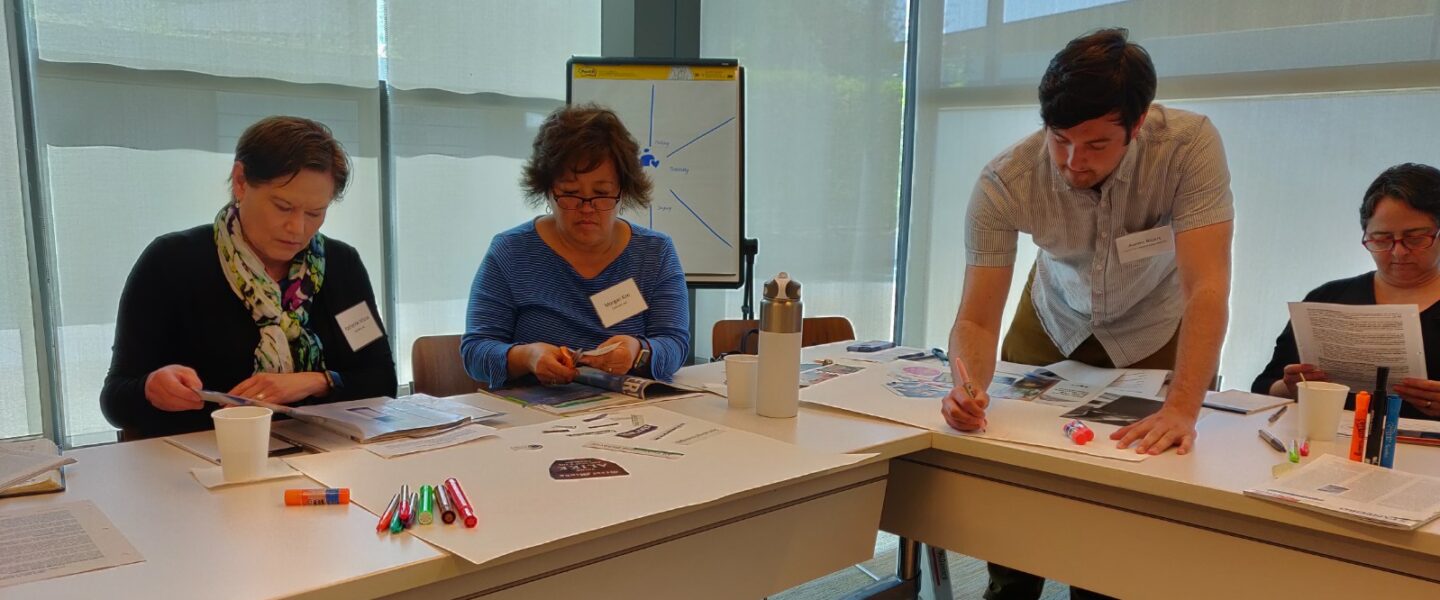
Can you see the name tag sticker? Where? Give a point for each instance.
(359, 326)
(1145, 244)
(620, 302)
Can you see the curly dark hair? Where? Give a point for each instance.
(1417, 185)
(279, 147)
(577, 139)
(1094, 75)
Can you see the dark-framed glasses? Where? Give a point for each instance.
(1411, 242)
(596, 202)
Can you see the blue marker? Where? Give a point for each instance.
(1392, 425)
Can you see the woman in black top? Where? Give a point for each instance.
(1401, 219)
(257, 304)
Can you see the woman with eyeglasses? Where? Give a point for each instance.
(579, 277)
(1401, 218)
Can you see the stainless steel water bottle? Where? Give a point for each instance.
(777, 389)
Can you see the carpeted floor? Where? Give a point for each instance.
(967, 577)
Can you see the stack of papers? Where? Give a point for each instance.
(1359, 492)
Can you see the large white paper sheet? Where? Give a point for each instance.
(1348, 342)
(521, 508)
(56, 540)
(1013, 421)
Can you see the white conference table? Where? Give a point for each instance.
(240, 542)
(1171, 526)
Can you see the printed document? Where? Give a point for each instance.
(1358, 491)
(58, 540)
(1348, 342)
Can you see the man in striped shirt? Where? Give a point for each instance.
(1130, 205)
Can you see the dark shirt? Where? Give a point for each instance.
(1358, 290)
(178, 309)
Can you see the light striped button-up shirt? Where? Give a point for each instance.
(1173, 174)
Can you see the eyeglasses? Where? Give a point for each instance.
(1411, 242)
(596, 202)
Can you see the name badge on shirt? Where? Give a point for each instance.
(620, 302)
(359, 326)
(1145, 244)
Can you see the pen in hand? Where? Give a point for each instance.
(964, 378)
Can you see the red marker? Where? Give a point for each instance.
(405, 506)
(389, 514)
(462, 503)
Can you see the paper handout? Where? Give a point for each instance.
(56, 540)
(1348, 342)
(1358, 491)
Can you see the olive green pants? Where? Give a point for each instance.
(1027, 343)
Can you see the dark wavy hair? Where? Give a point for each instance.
(1414, 184)
(577, 139)
(279, 147)
(1094, 75)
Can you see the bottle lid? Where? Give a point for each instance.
(782, 287)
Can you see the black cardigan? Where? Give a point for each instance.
(1358, 290)
(178, 309)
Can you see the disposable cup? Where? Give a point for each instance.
(740, 372)
(243, 434)
(1320, 405)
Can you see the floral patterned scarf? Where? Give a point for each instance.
(286, 343)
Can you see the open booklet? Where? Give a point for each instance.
(1359, 492)
(592, 389)
(31, 467)
(370, 419)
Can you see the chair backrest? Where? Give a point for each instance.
(435, 361)
(729, 335)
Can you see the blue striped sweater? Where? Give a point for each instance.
(524, 292)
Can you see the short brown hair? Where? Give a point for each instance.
(576, 139)
(278, 147)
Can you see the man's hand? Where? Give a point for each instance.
(963, 412)
(1158, 432)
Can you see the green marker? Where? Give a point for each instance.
(427, 505)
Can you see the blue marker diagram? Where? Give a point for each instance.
(648, 160)
(689, 135)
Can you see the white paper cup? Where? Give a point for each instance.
(740, 372)
(1320, 405)
(243, 434)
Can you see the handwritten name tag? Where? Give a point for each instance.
(359, 326)
(620, 302)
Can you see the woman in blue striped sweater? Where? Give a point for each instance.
(578, 277)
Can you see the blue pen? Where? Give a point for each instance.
(1392, 425)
